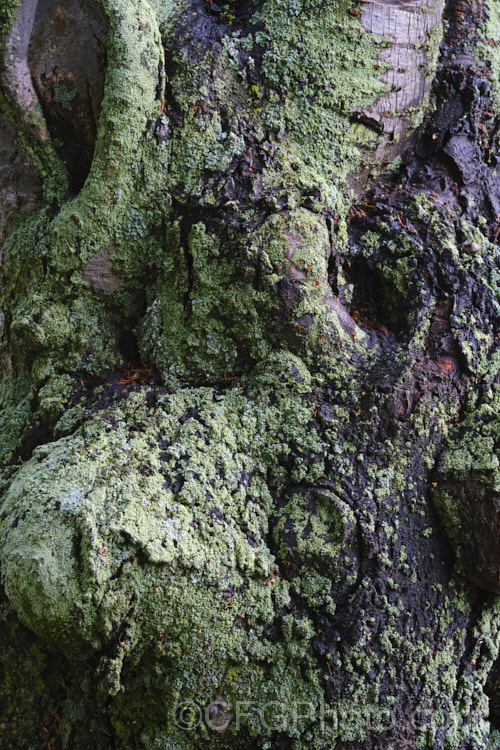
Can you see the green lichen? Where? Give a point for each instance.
(162, 549)
(491, 39)
(317, 70)
(64, 96)
(193, 324)
(15, 414)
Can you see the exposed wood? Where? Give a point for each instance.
(413, 30)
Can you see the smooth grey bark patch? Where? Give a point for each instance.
(98, 271)
(413, 31)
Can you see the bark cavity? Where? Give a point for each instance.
(378, 304)
(16, 76)
(66, 62)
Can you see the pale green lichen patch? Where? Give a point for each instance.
(110, 509)
(491, 31)
(317, 69)
(494, 740)
(153, 521)
(233, 320)
(53, 398)
(473, 446)
(15, 414)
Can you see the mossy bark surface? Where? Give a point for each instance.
(249, 375)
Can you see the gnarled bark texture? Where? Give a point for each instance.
(250, 375)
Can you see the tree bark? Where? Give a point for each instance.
(250, 375)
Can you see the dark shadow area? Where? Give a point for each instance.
(376, 303)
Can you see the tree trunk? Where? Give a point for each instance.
(250, 375)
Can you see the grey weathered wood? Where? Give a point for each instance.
(466, 156)
(413, 30)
